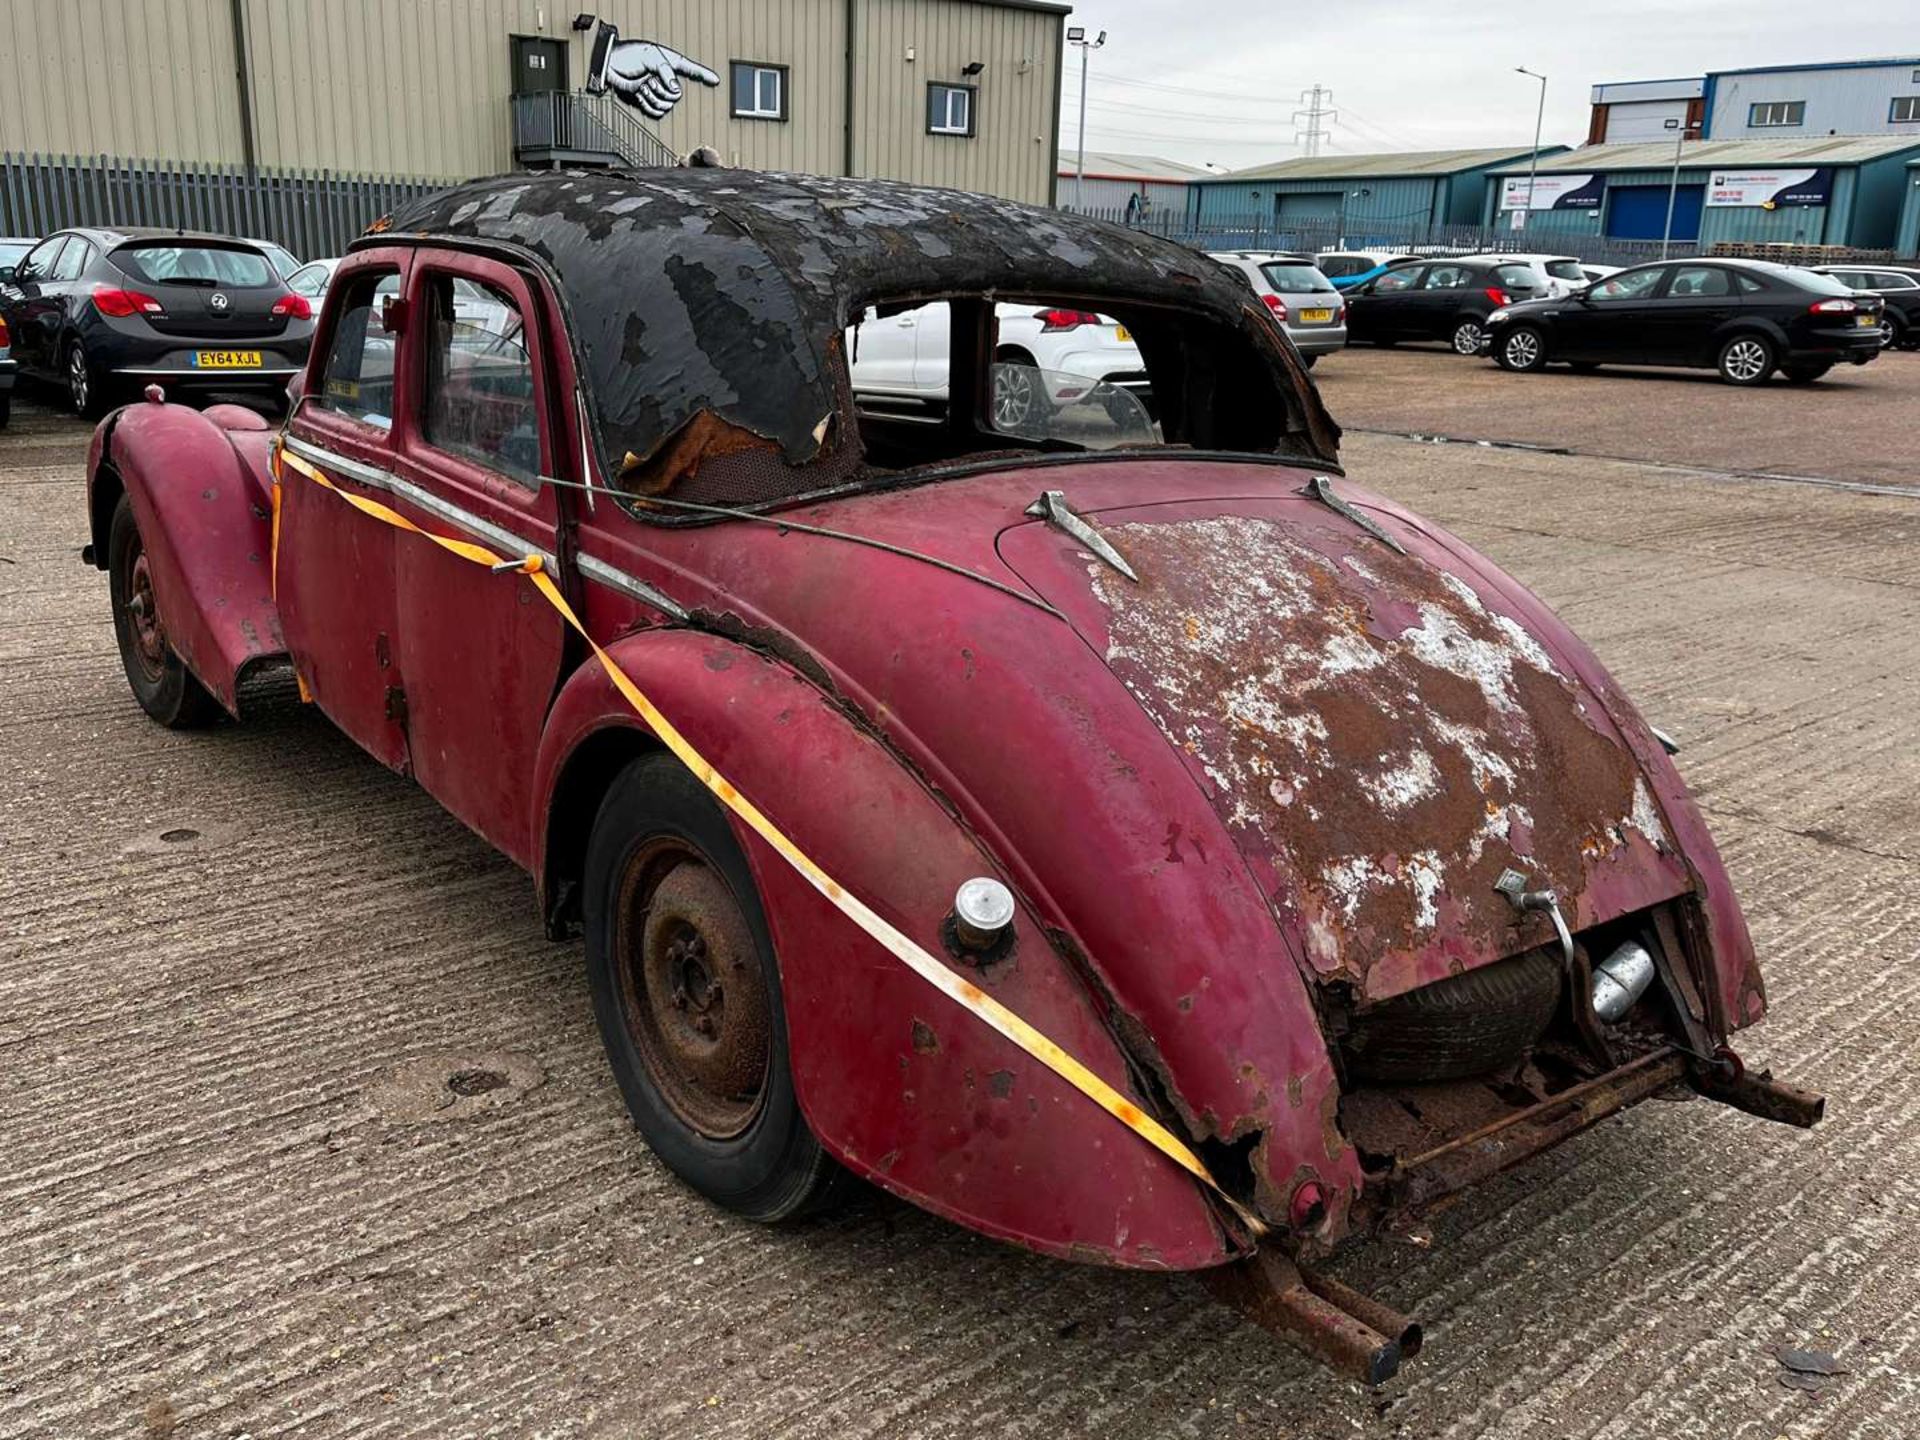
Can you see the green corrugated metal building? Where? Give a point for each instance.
(1907, 242)
(1392, 194)
(1833, 190)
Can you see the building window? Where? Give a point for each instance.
(1777, 112)
(949, 109)
(1906, 110)
(759, 90)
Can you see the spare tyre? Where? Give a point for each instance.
(1468, 1024)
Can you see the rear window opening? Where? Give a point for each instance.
(1566, 270)
(172, 263)
(927, 385)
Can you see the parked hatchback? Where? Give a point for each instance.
(1553, 275)
(1446, 300)
(1898, 285)
(99, 311)
(1302, 299)
(1744, 318)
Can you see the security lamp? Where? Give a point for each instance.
(583, 21)
(1076, 34)
(973, 67)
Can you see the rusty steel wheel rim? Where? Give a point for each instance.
(693, 997)
(149, 640)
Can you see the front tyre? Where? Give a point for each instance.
(687, 993)
(163, 685)
(1523, 349)
(1745, 360)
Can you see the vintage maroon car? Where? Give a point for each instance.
(1317, 841)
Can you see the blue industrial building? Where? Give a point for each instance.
(1398, 195)
(1841, 190)
(1907, 242)
(1844, 97)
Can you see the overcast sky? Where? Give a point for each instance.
(1211, 81)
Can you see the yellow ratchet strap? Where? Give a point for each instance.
(942, 977)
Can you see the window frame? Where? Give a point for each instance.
(1658, 287)
(1732, 292)
(757, 67)
(313, 407)
(86, 251)
(54, 245)
(972, 93)
(1912, 102)
(1787, 107)
(450, 468)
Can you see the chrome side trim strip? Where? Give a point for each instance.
(617, 579)
(510, 544)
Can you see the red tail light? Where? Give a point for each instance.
(1835, 306)
(1497, 295)
(1277, 306)
(5, 339)
(1340, 315)
(122, 303)
(294, 307)
(1065, 319)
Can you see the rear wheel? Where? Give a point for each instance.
(1467, 1024)
(1804, 374)
(687, 993)
(86, 386)
(1522, 348)
(163, 685)
(1468, 336)
(1018, 396)
(1745, 360)
(1893, 336)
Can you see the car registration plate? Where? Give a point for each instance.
(1315, 317)
(1120, 333)
(226, 359)
(1873, 320)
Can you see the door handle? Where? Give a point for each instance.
(906, 322)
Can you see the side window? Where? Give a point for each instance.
(72, 260)
(1446, 277)
(1748, 285)
(38, 266)
(1698, 281)
(949, 109)
(1515, 277)
(1337, 267)
(1397, 280)
(1628, 285)
(479, 401)
(358, 380)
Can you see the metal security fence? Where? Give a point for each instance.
(312, 213)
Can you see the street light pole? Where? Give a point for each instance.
(1673, 184)
(1077, 35)
(1533, 161)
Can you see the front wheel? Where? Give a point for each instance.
(687, 993)
(1522, 348)
(1468, 336)
(1745, 360)
(163, 685)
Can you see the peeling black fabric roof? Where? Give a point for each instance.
(723, 290)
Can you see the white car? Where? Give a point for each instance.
(1555, 276)
(1596, 273)
(1041, 351)
(311, 279)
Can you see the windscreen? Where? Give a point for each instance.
(167, 263)
(11, 252)
(1294, 279)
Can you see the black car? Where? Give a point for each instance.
(1435, 300)
(12, 251)
(1744, 318)
(1898, 285)
(100, 311)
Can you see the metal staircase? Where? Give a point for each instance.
(571, 127)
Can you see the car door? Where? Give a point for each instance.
(1435, 304)
(334, 567)
(881, 351)
(32, 307)
(480, 653)
(1376, 311)
(1685, 317)
(1603, 321)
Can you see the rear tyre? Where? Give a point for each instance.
(1746, 360)
(1467, 1024)
(687, 993)
(1523, 349)
(86, 386)
(1895, 336)
(1804, 374)
(1468, 336)
(163, 685)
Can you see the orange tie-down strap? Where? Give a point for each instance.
(956, 987)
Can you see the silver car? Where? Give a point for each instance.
(1300, 297)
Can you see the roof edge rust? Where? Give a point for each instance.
(724, 293)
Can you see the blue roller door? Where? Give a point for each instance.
(1639, 212)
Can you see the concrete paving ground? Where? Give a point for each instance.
(235, 1198)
